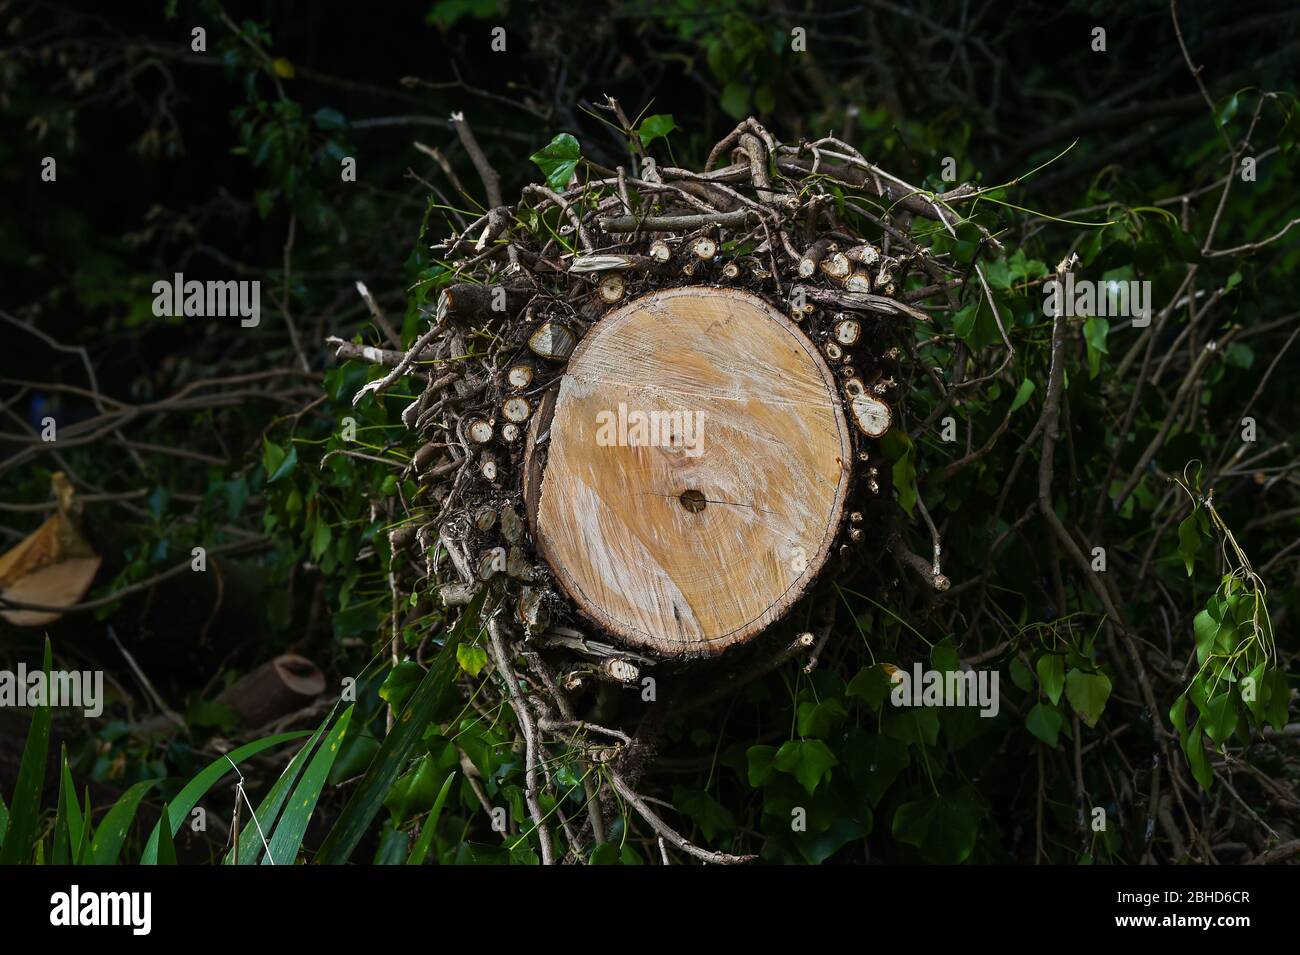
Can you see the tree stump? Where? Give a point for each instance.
(696, 467)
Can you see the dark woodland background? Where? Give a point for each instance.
(224, 164)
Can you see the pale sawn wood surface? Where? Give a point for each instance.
(773, 471)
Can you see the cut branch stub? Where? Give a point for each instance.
(696, 470)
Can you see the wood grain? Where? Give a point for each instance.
(688, 547)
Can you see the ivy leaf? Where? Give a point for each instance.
(1095, 331)
(605, 853)
(1279, 698)
(472, 659)
(320, 538)
(1227, 111)
(1194, 750)
(277, 463)
(399, 683)
(711, 816)
(944, 828)
(915, 724)
(975, 325)
(1051, 675)
(1206, 629)
(735, 99)
(759, 761)
(1023, 394)
(820, 719)
(236, 496)
(900, 451)
(1087, 693)
(874, 762)
(1220, 717)
(1178, 715)
(1189, 539)
(871, 685)
(1045, 722)
(558, 160)
(329, 119)
(1020, 674)
(807, 760)
(654, 127)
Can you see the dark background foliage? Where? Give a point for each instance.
(225, 164)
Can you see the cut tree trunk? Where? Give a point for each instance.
(275, 689)
(696, 463)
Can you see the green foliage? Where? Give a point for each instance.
(558, 160)
(428, 697)
(25, 804)
(1238, 686)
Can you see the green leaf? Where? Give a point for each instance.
(1045, 722)
(976, 325)
(1220, 716)
(276, 462)
(820, 719)
(1197, 761)
(735, 99)
(25, 806)
(558, 160)
(1095, 331)
(112, 832)
(1023, 394)
(1279, 698)
(606, 853)
(711, 816)
(1206, 629)
(1087, 693)
(422, 844)
(329, 119)
(943, 657)
(472, 659)
(1178, 715)
(166, 845)
(198, 787)
(1020, 674)
(900, 451)
(917, 725)
(1051, 675)
(250, 840)
(287, 839)
(943, 828)
(1189, 539)
(75, 822)
(654, 127)
(807, 760)
(1228, 110)
(59, 854)
(389, 762)
(759, 763)
(871, 685)
(873, 762)
(320, 538)
(401, 683)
